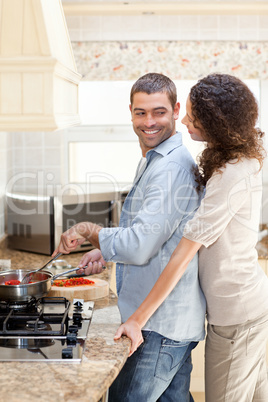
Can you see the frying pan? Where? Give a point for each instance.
(40, 286)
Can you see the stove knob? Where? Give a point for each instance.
(71, 338)
(73, 329)
(77, 319)
(78, 305)
(67, 353)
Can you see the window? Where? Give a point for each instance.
(105, 147)
(102, 162)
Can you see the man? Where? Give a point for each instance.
(162, 199)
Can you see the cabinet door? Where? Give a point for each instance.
(112, 266)
(197, 377)
(263, 263)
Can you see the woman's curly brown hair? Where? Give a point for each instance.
(225, 111)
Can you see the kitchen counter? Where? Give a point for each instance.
(86, 381)
(103, 358)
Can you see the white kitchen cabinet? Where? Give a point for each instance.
(198, 373)
(264, 264)
(113, 277)
(38, 76)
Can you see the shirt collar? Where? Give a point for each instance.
(168, 145)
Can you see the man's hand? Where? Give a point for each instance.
(133, 331)
(76, 235)
(70, 239)
(94, 261)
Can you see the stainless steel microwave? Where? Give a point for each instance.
(35, 222)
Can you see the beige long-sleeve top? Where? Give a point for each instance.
(226, 224)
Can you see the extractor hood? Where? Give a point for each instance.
(38, 75)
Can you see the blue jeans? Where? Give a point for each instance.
(159, 370)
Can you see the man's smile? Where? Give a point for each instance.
(149, 132)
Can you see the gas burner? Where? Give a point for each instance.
(18, 306)
(26, 343)
(37, 325)
(45, 329)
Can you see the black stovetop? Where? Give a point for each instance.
(49, 329)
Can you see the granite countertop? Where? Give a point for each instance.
(82, 382)
(103, 357)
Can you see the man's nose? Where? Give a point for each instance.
(149, 120)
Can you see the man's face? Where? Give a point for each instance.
(153, 119)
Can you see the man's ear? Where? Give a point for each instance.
(177, 110)
(130, 108)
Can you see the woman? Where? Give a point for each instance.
(222, 111)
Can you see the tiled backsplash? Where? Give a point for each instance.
(38, 156)
(166, 27)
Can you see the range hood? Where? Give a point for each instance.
(38, 75)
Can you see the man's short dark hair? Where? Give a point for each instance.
(152, 83)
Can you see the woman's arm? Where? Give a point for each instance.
(166, 282)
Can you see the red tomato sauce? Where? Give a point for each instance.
(12, 282)
(73, 282)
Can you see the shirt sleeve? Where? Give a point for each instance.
(169, 199)
(226, 194)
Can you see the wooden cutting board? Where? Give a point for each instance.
(86, 292)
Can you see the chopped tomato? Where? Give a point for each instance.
(12, 282)
(73, 282)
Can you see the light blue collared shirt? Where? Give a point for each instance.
(161, 201)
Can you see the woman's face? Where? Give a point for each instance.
(195, 133)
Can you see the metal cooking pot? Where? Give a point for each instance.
(40, 286)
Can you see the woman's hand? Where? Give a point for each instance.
(132, 330)
(94, 262)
